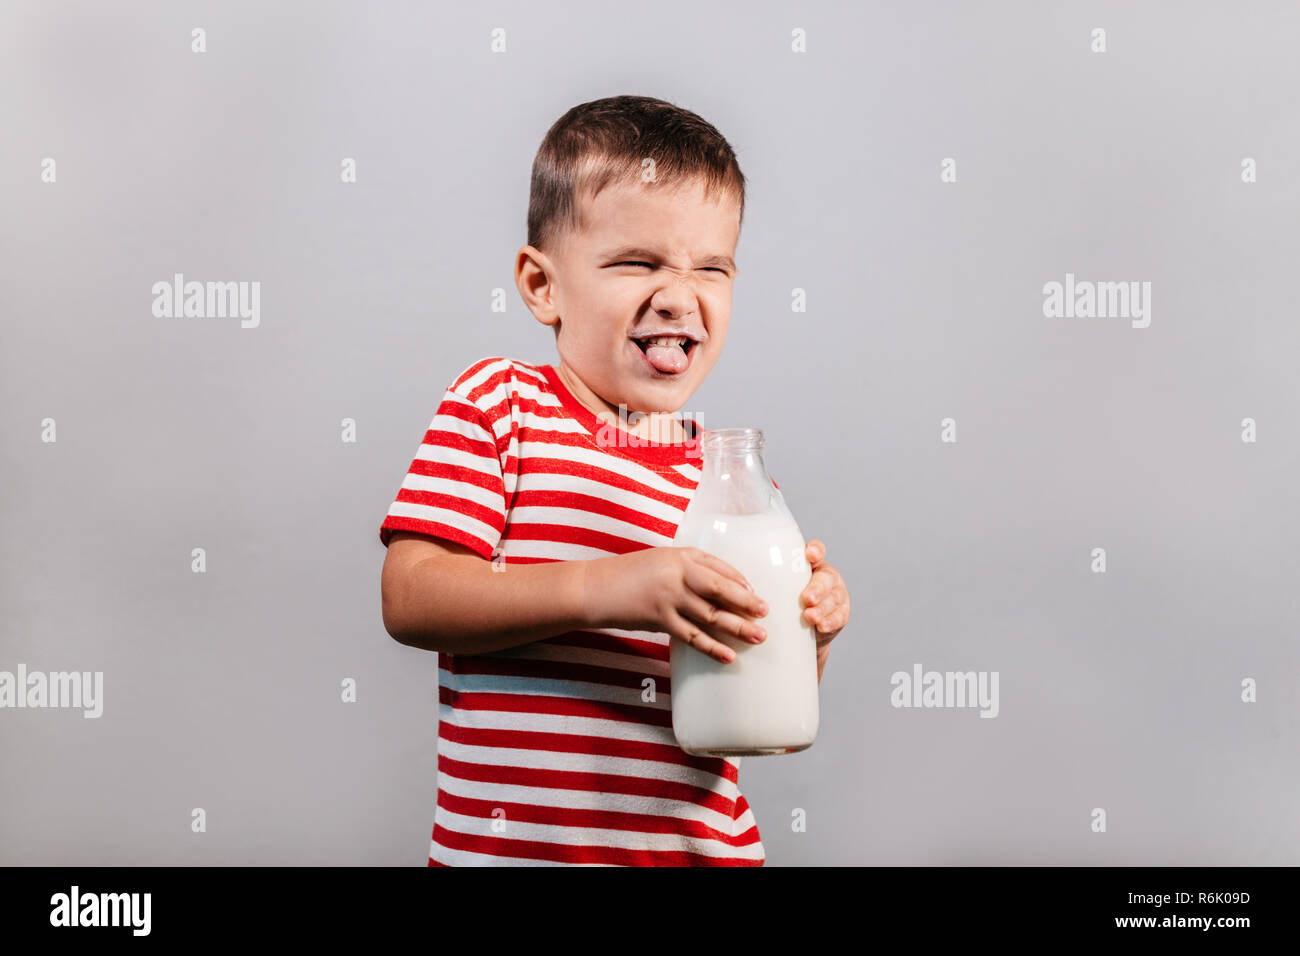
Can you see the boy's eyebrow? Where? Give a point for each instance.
(637, 252)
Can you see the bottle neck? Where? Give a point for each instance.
(734, 461)
(733, 475)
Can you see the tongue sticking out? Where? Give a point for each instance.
(666, 358)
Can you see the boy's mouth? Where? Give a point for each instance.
(668, 354)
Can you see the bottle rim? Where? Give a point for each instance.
(732, 438)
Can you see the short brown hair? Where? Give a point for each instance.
(605, 141)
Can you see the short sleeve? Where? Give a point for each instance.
(454, 488)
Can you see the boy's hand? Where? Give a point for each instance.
(826, 598)
(687, 593)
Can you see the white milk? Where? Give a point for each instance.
(764, 701)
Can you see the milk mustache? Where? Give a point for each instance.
(764, 701)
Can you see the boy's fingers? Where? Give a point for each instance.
(823, 613)
(818, 587)
(715, 621)
(831, 613)
(839, 617)
(687, 631)
(723, 568)
(815, 550)
(724, 592)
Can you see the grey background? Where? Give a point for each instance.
(1118, 691)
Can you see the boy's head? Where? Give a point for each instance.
(633, 218)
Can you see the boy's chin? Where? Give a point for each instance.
(660, 397)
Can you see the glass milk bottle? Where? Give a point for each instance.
(765, 700)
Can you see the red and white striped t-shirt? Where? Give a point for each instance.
(551, 753)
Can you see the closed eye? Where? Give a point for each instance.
(649, 266)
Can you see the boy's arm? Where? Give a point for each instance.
(442, 596)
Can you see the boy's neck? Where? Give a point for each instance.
(662, 427)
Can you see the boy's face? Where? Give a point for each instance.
(651, 260)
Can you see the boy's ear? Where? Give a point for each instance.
(534, 277)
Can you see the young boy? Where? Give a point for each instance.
(530, 543)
